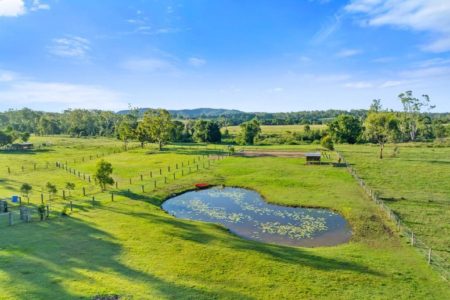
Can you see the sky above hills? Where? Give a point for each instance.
(286, 55)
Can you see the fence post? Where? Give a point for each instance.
(71, 206)
(112, 196)
(142, 188)
(165, 179)
(168, 169)
(93, 200)
(117, 185)
(151, 175)
(84, 191)
(64, 194)
(10, 218)
(48, 211)
(160, 171)
(412, 238)
(9, 170)
(154, 184)
(429, 256)
(130, 180)
(42, 198)
(142, 177)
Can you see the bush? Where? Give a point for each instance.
(327, 142)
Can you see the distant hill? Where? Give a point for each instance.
(195, 113)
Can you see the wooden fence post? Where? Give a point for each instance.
(93, 200)
(154, 184)
(165, 179)
(142, 187)
(130, 180)
(84, 191)
(10, 218)
(112, 196)
(151, 174)
(64, 194)
(429, 256)
(117, 185)
(142, 177)
(412, 238)
(42, 198)
(71, 206)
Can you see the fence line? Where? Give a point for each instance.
(433, 259)
(24, 212)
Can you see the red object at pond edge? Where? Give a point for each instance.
(201, 185)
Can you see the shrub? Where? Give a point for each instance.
(327, 142)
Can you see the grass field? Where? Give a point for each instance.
(131, 247)
(277, 129)
(416, 184)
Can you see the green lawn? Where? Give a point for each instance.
(415, 184)
(132, 248)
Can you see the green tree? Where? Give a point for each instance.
(25, 136)
(381, 127)
(411, 117)
(327, 142)
(207, 131)
(103, 174)
(158, 124)
(126, 130)
(5, 139)
(25, 189)
(346, 129)
(70, 186)
(250, 131)
(51, 189)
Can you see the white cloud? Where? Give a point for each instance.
(430, 16)
(359, 85)
(392, 83)
(38, 5)
(196, 62)
(28, 93)
(15, 8)
(348, 52)
(71, 46)
(148, 65)
(12, 8)
(328, 28)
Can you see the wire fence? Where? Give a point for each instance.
(46, 206)
(436, 261)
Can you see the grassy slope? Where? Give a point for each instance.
(416, 184)
(132, 247)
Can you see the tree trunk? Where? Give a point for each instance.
(381, 150)
(160, 145)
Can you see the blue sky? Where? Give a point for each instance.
(286, 55)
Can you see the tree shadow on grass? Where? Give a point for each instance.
(194, 231)
(46, 257)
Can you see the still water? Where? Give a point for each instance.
(245, 213)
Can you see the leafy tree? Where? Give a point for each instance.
(346, 129)
(25, 189)
(327, 142)
(158, 124)
(207, 131)
(5, 139)
(412, 107)
(375, 106)
(178, 131)
(142, 134)
(25, 136)
(126, 130)
(103, 174)
(381, 127)
(51, 189)
(249, 131)
(70, 186)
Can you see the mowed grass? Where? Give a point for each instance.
(277, 129)
(131, 247)
(415, 184)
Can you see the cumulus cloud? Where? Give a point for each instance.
(15, 8)
(431, 16)
(12, 8)
(196, 62)
(6, 76)
(71, 46)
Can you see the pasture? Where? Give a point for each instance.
(130, 247)
(278, 129)
(415, 183)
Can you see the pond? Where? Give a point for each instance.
(245, 213)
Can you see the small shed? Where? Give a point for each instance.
(313, 158)
(22, 146)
